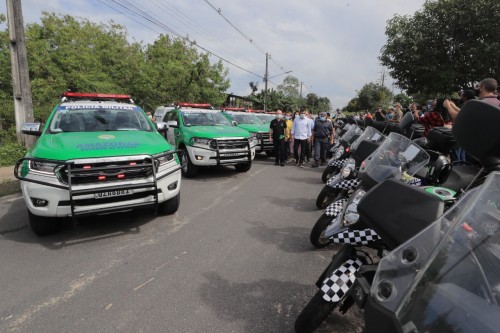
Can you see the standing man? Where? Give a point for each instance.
(288, 136)
(277, 136)
(309, 144)
(301, 132)
(323, 136)
(488, 91)
(398, 114)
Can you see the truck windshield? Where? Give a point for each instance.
(204, 118)
(96, 118)
(246, 118)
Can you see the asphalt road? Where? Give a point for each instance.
(236, 257)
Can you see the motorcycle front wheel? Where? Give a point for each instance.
(326, 196)
(313, 314)
(329, 172)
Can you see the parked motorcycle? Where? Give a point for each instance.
(397, 157)
(333, 168)
(412, 210)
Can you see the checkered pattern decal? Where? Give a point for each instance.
(335, 208)
(413, 181)
(355, 237)
(347, 184)
(337, 163)
(336, 286)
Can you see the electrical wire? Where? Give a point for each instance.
(135, 11)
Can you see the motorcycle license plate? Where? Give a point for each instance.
(110, 194)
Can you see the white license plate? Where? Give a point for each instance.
(109, 194)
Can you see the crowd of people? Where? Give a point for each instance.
(299, 136)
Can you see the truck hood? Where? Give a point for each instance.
(212, 132)
(74, 145)
(255, 128)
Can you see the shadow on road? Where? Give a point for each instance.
(299, 204)
(267, 305)
(288, 239)
(14, 225)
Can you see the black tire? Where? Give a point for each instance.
(43, 226)
(170, 206)
(243, 167)
(326, 197)
(329, 172)
(313, 314)
(318, 231)
(189, 170)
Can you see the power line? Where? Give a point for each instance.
(134, 10)
(219, 11)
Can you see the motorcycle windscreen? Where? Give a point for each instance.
(369, 134)
(397, 157)
(447, 278)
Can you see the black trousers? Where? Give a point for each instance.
(279, 151)
(302, 144)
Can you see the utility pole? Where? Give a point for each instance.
(301, 89)
(23, 104)
(265, 84)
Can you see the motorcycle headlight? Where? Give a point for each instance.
(42, 166)
(351, 215)
(339, 153)
(346, 171)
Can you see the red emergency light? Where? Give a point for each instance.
(77, 95)
(194, 105)
(233, 109)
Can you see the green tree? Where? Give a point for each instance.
(447, 45)
(404, 99)
(371, 95)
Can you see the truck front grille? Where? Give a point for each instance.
(228, 144)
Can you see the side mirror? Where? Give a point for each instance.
(31, 129)
(161, 127)
(172, 123)
(234, 122)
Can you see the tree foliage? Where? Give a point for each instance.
(369, 97)
(449, 44)
(65, 52)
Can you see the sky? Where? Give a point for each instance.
(330, 46)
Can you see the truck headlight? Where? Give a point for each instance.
(203, 142)
(351, 215)
(42, 166)
(164, 158)
(253, 140)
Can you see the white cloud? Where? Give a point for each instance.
(331, 46)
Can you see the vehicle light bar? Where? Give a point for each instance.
(194, 105)
(71, 94)
(234, 109)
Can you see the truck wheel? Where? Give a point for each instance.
(269, 153)
(170, 206)
(243, 167)
(313, 314)
(189, 170)
(42, 225)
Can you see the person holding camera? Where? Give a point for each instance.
(439, 116)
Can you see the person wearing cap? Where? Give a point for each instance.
(322, 135)
(398, 114)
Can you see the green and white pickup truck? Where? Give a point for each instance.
(97, 154)
(207, 138)
(253, 124)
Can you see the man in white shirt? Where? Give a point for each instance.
(301, 132)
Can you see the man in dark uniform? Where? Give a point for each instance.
(322, 136)
(277, 137)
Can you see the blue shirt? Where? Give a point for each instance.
(302, 128)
